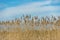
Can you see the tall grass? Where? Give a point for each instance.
(31, 28)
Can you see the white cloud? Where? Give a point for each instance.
(30, 8)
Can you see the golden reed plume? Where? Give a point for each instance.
(31, 28)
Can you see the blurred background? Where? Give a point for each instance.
(11, 9)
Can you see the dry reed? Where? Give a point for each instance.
(31, 28)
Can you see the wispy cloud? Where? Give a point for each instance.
(30, 8)
(55, 1)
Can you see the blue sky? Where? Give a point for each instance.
(10, 9)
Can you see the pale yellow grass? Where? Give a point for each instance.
(41, 34)
(30, 35)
